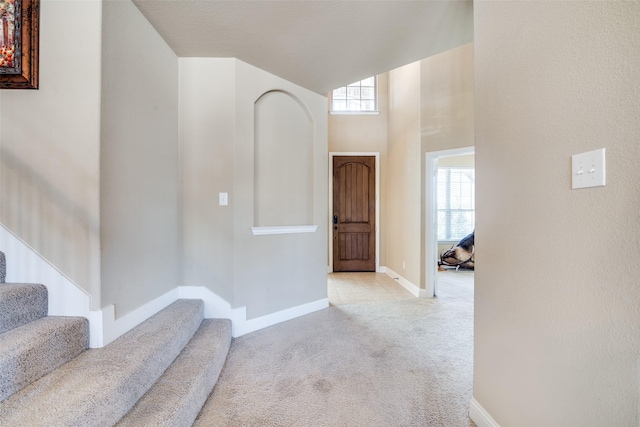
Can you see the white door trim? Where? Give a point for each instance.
(333, 154)
(431, 238)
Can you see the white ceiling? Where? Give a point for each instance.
(319, 45)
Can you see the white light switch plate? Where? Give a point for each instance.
(588, 169)
(223, 199)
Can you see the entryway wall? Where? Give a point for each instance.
(447, 118)
(365, 135)
(424, 106)
(227, 122)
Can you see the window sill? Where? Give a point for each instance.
(354, 113)
(288, 229)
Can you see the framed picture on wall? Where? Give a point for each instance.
(19, 39)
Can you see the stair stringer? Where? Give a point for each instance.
(66, 298)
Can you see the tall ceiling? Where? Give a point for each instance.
(319, 45)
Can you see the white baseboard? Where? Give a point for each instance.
(415, 290)
(262, 322)
(113, 328)
(480, 416)
(108, 328)
(215, 306)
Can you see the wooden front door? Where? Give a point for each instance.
(354, 213)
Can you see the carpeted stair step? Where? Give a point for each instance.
(177, 397)
(37, 348)
(3, 267)
(100, 386)
(21, 303)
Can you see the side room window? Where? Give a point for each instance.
(456, 202)
(358, 97)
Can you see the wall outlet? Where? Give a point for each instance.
(404, 265)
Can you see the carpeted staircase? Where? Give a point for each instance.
(158, 374)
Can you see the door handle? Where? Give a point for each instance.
(335, 219)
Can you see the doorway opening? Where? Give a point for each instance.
(449, 216)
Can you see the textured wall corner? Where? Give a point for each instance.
(3, 267)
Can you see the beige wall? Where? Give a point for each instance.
(277, 272)
(89, 170)
(556, 330)
(366, 133)
(404, 166)
(207, 136)
(50, 143)
(138, 161)
(447, 109)
(264, 273)
(447, 114)
(436, 95)
(466, 161)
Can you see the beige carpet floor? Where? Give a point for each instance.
(392, 363)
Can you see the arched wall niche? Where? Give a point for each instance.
(283, 161)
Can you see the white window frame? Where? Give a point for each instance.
(449, 237)
(375, 111)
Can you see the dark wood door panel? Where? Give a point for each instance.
(353, 246)
(354, 213)
(354, 193)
